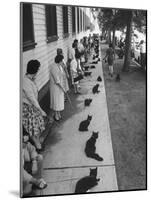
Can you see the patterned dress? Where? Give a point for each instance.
(32, 118)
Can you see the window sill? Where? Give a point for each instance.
(29, 45)
(52, 39)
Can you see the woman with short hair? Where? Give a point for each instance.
(32, 113)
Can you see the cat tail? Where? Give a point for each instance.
(97, 157)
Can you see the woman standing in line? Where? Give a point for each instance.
(57, 87)
(74, 68)
(66, 74)
(33, 114)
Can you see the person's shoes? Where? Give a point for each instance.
(56, 119)
(40, 184)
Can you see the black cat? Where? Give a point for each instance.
(94, 57)
(95, 89)
(99, 78)
(94, 62)
(90, 147)
(84, 124)
(87, 102)
(118, 78)
(97, 51)
(87, 182)
(92, 67)
(86, 68)
(87, 73)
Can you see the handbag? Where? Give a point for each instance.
(78, 78)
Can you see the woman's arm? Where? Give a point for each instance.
(61, 87)
(106, 55)
(65, 69)
(33, 100)
(54, 74)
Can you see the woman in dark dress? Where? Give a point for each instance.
(110, 55)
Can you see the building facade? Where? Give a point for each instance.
(44, 28)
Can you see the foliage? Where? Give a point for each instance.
(117, 18)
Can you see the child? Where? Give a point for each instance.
(31, 157)
(29, 162)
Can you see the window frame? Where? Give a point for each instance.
(30, 43)
(49, 15)
(78, 21)
(81, 20)
(65, 21)
(73, 20)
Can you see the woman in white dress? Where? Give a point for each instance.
(57, 87)
(66, 74)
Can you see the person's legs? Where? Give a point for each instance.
(75, 88)
(59, 114)
(56, 115)
(35, 139)
(111, 70)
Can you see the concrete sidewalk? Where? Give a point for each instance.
(65, 161)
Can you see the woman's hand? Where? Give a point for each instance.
(43, 113)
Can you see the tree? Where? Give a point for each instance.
(105, 18)
(127, 59)
(118, 19)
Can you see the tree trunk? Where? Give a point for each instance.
(113, 38)
(127, 59)
(108, 36)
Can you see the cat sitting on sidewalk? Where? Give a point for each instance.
(84, 124)
(91, 148)
(87, 182)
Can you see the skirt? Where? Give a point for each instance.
(32, 120)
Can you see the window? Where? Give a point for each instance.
(78, 20)
(51, 23)
(27, 23)
(83, 22)
(73, 20)
(65, 20)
